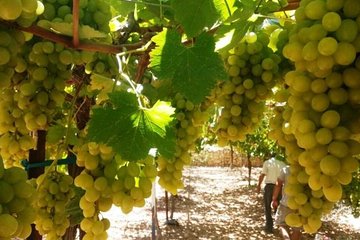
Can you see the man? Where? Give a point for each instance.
(282, 209)
(270, 172)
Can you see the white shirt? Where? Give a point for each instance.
(271, 169)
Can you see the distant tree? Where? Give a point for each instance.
(259, 145)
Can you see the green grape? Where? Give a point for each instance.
(4, 56)
(63, 11)
(100, 184)
(327, 46)
(345, 54)
(310, 51)
(350, 77)
(8, 225)
(10, 10)
(351, 9)
(347, 31)
(133, 169)
(331, 21)
(334, 5)
(315, 9)
(66, 57)
(317, 32)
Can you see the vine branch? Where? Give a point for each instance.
(68, 41)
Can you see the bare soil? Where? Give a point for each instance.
(217, 203)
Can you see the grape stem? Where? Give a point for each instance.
(292, 5)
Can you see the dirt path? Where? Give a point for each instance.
(217, 204)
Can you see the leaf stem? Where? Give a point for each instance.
(228, 7)
(272, 17)
(126, 78)
(258, 6)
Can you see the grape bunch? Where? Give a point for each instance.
(16, 197)
(54, 192)
(190, 118)
(24, 12)
(253, 69)
(318, 123)
(93, 13)
(107, 180)
(14, 140)
(35, 97)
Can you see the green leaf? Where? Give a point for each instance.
(132, 131)
(194, 16)
(230, 34)
(226, 7)
(268, 7)
(193, 71)
(85, 31)
(122, 8)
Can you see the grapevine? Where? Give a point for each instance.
(110, 81)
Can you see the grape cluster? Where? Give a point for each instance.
(54, 192)
(253, 70)
(35, 96)
(93, 13)
(14, 140)
(318, 123)
(190, 118)
(107, 180)
(24, 12)
(16, 197)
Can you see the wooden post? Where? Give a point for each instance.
(167, 206)
(249, 168)
(231, 156)
(35, 156)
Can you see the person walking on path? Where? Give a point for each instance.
(270, 172)
(282, 209)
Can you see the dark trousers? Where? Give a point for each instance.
(269, 188)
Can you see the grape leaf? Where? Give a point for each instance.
(193, 71)
(132, 131)
(122, 8)
(268, 7)
(85, 31)
(231, 33)
(194, 16)
(226, 8)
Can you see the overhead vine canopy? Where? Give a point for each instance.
(127, 88)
